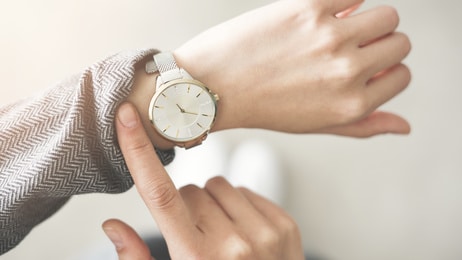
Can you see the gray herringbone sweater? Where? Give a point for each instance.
(63, 143)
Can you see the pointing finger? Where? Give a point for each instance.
(152, 181)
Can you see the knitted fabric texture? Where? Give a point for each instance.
(62, 143)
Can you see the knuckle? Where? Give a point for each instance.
(194, 254)
(309, 6)
(289, 226)
(333, 37)
(237, 247)
(215, 182)
(160, 195)
(138, 147)
(269, 238)
(346, 69)
(354, 108)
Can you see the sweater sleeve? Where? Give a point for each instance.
(62, 143)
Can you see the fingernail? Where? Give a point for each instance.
(114, 237)
(127, 115)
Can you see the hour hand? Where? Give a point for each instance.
(181, 109)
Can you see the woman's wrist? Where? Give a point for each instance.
(143, 89)
(286, 67)
(203, 64)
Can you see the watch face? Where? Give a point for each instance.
(182, 110)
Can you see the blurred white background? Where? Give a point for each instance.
(388, 197)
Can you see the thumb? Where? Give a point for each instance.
(376, 123)
(127, 242)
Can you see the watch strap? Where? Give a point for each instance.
(165, 64)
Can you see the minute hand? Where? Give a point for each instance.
(191, 113)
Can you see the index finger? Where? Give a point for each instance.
(152, 181)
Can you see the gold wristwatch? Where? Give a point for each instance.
(182, 109)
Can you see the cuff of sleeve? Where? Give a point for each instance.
(113, 79)
(166, 156)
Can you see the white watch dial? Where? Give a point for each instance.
(183, 111)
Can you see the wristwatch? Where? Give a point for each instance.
(182, 109)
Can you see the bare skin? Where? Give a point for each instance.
(298, 66)
(216, 222)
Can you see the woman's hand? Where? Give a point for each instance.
(217, 222)
(304, 66)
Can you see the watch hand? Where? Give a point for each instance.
(184, 111)
(191, 113)
(181, 109)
